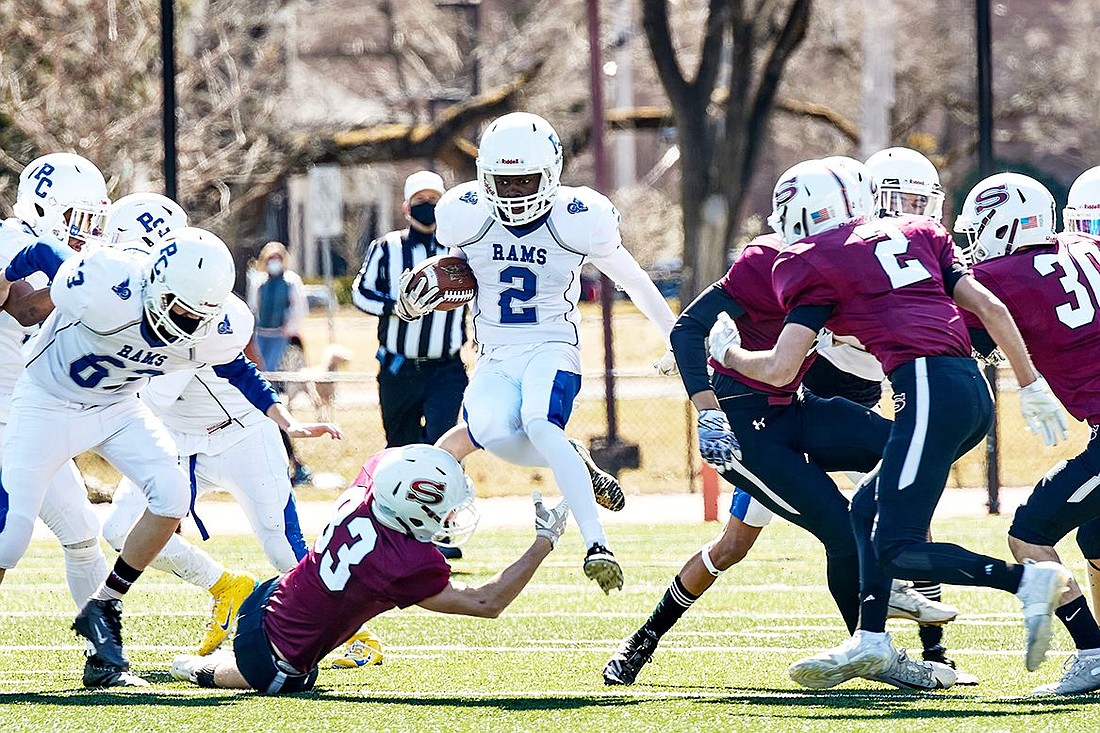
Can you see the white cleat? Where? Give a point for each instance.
(1081, 675)
(910, 674)
(907, 603)
(186, 666)
(1040, 590)
(863, 655)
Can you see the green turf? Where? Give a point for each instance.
(538, 667)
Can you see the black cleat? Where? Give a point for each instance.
(624, 665)
(98, 673)
(605, 487)
(451, 553)
(100, 622)
(601, 566)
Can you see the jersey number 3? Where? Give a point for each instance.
(335, 567)
(890, 245)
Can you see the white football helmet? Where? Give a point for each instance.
(62, 195)
(515, 144)
(1003, 213)
(906, 182)
(193, 272)
(1082, 212)
(865, 194)
(421, 491)
(812, 197)
(141, 221)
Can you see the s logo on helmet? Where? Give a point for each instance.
(423, 491)
(786, 191)
(991, 198)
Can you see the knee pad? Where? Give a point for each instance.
(14, 540)
(170, 496)
(1038, 527)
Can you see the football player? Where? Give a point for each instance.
(894, 285)
(119, 320)
(1051, 285)
(375, 555)
(787, 441)
(53, 190)
(224, 439)
(526, 237)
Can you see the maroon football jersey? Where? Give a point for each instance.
(749, 282)
(885, 281)
(357, 569)
(1053, 294)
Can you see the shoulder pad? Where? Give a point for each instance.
(229, 334)
(461, 215)
(101, 288)
(586, 220)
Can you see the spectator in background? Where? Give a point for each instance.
(421, 376)
(277, 297)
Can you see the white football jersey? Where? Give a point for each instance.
(199, 402)
(13, 237)
(95, 348)
(528, 284)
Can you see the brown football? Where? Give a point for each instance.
(452, 275)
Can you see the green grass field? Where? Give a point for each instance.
(538, 666)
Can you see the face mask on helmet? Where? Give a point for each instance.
(519, 144)
(142, 221)
(810, 198)
(906, 182)
(1082, 212)
(62, 195)
(1003, 213)
(186, 284)
(421, 491)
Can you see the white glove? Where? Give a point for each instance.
(1043, 412)
(550, 522)
(717, 444)
(418, 302)
(723, 335)
(666, 365)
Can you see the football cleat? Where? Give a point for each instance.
(605, 487)
(863, 655)
(938, 653)
(1081, 673)
(909, 674)
(100, 622)
(229, 593)
(1041, 587)
(98, 673)
(451, 553)
(601, 566)
(363, 650)
(907, 603)
(632, 655)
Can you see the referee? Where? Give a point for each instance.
(422, 378)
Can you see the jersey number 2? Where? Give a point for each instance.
(526, 290)
(890, 244)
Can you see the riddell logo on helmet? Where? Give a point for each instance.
(424, 491)
(510, 161)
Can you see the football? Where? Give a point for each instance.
(451, 275)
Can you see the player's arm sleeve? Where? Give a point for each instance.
(689, 335)
(812, 317)
(371, 290)
(621, 267)
(162, 391)
(243, 374)
(38, 257)
(981, 341)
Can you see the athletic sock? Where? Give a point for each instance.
(842, 576)
(1080, 623)
(676, 600)
(118, 582)
(931, 635)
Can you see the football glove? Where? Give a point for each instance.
(723, 335)
(1043, 412)
(550, 522)
(717, 444)
(421, 300)
(666, 365)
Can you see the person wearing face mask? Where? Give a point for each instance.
(421, 376)
(278, 299)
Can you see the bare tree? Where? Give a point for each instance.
(744, 47)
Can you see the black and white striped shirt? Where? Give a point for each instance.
(438, 334)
